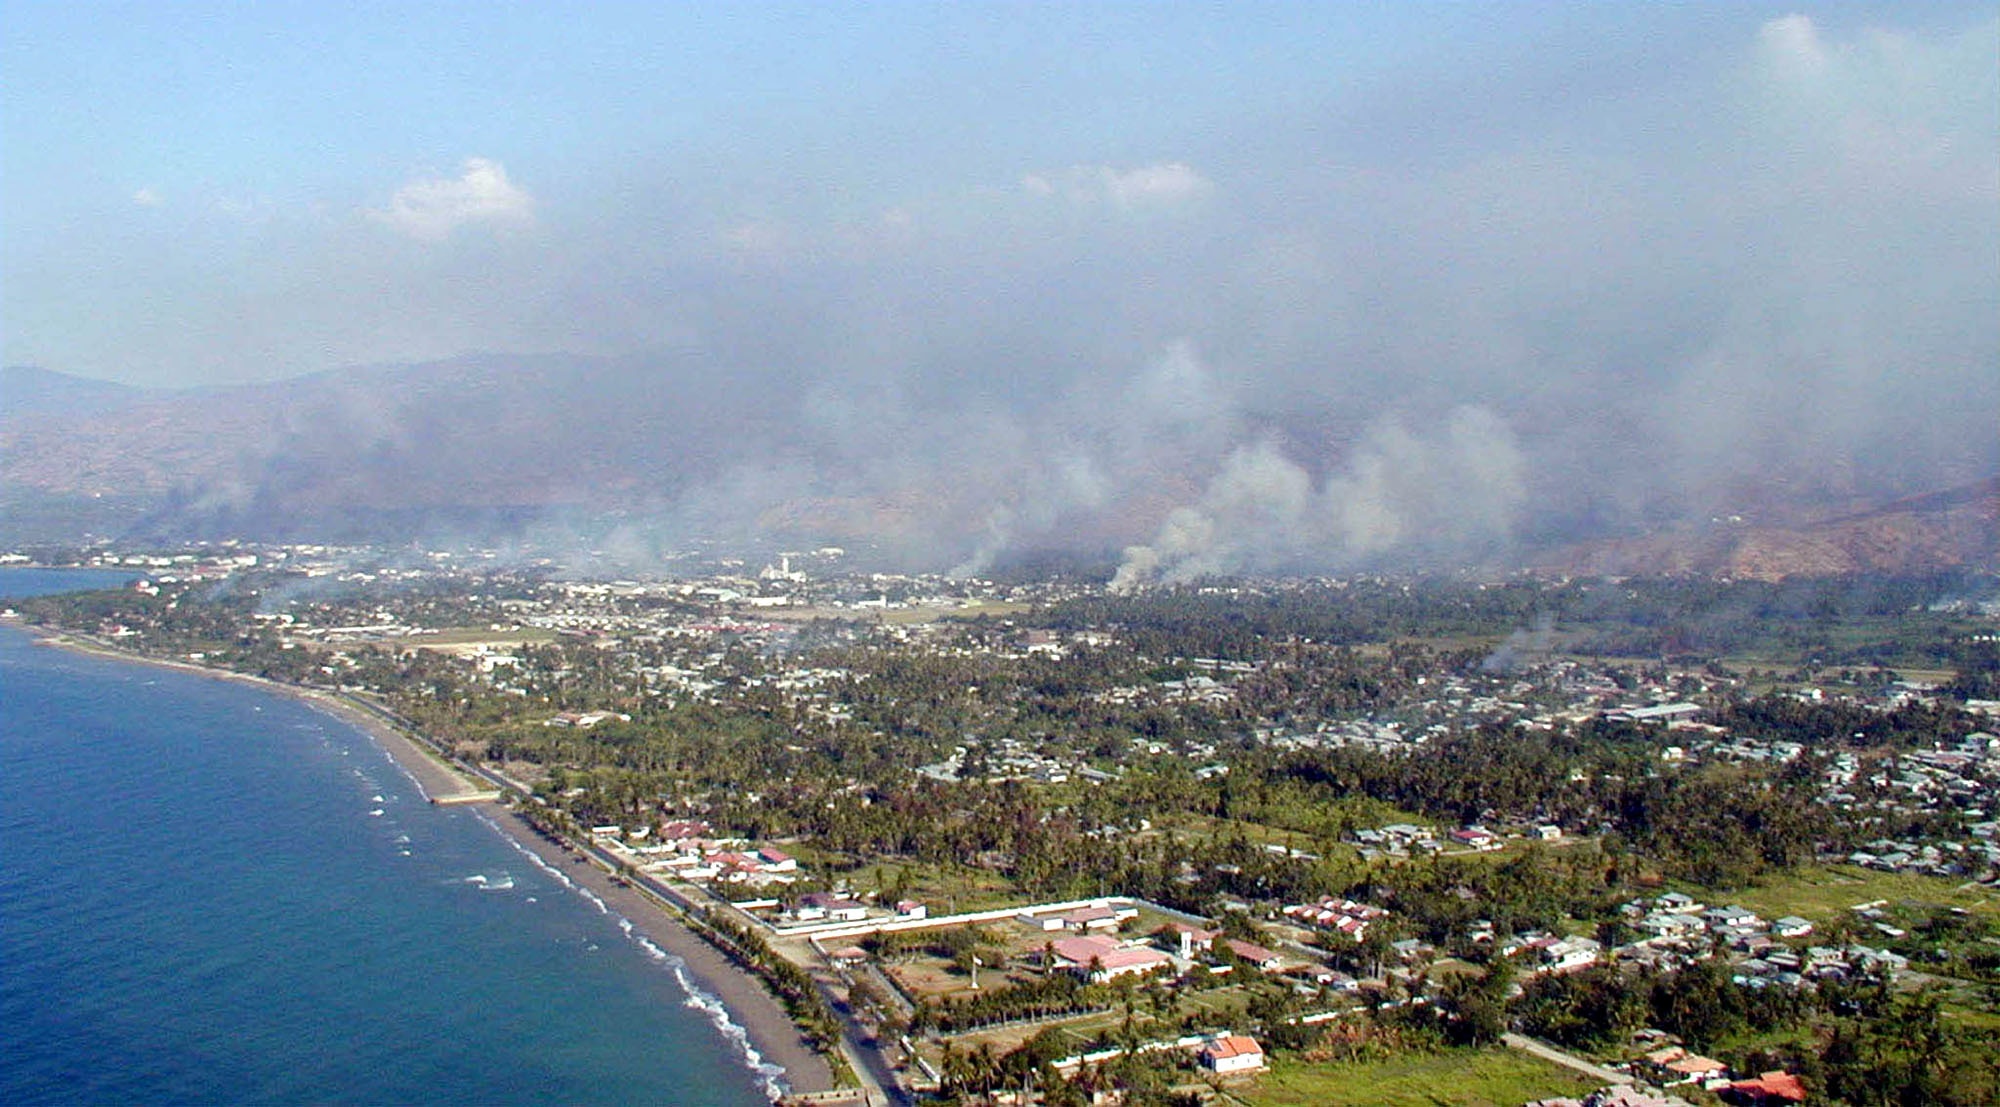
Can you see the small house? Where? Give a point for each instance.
(1232, 1053)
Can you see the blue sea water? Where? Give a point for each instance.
(210, 893)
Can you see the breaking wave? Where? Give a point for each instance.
(770, 1076)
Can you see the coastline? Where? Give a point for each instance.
(738, 1004)
(710, 974)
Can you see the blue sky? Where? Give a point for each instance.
(164, 162)
(289, 99)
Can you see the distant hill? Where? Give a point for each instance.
(1955, 527)
(27, 392)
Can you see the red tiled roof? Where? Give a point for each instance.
(1776, 1084)
(1253, 953)
(1234, 1045)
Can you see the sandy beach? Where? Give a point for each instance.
(749, 1005)
(441, 781)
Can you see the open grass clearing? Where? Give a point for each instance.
(946, 889)
(1495, 1077)
(910, 616)
(1823, 893)
(461, 637)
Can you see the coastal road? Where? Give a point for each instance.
(858, 1044)
(1567, 1060)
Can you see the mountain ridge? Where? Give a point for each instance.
(666, 447)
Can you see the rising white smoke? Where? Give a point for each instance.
(1455, 489)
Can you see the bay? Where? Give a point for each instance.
(213, 893)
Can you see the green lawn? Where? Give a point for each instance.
(1495, 1077)
(466, 636)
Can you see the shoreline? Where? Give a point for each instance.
(748, 1013)
(751, 1007)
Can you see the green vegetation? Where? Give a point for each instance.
(1489, 1077)
(1827, 894)
(1217, 749)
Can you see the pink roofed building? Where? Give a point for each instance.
(1265, 960)
(1098, 958)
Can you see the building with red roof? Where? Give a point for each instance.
(1232, 1053)
(1769, 1090)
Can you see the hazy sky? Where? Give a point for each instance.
(1495, 239)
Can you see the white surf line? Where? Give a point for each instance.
(770, 1076)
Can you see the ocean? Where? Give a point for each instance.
(211, 893)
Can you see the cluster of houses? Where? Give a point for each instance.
(1951, 780)
(1794, 968)
(1550, 953)
(1977, 856)
(1188, 690)
(1348, 918)
(1396, 838)
(1679, 930)
(1403, 839)
(685, 849)
(1674, 1066)
(840, 907)
(1012, 759)
(1679, 915)
(1335, 733)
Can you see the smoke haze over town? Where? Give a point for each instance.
(1309, 288)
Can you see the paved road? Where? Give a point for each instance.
(857, 1043)
(1567, 1060)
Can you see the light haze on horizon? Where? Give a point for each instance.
(1492, 251)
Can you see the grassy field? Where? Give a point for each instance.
(1494, 1077)
(909, 616)
(1824, 892)
(458, 637)
(947, 889)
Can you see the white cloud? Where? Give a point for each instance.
(1794, 45)
(146, 198)
(1163, 185)
(432, 208)
(1166, 184)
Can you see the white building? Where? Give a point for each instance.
(1232, 1053)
